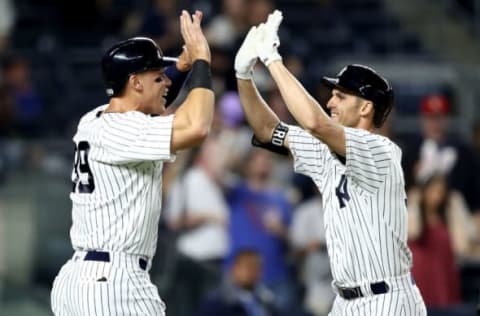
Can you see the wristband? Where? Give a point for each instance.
(279, 134)
(276, 143)
(200, 75)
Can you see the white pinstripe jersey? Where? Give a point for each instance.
(365, 215)
(117, 181)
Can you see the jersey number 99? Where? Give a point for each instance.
(82, 177)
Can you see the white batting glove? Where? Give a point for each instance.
(267, 42)
(246, 56)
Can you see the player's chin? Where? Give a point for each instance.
(161, 105)
(157, 108)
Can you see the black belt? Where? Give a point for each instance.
(105, 257)
(350, 293)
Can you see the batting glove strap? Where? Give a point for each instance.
(273, 56)
(244, 76)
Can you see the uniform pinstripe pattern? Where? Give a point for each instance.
(365, 214)
(119, 214)
(101, 288)
(126, 154)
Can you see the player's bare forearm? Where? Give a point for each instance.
(201, 109)
(193, 119)
(259, 116)
(306, 110)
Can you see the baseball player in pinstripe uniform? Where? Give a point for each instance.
(117, 178)
(357, 172)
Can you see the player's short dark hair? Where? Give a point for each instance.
(365, 82)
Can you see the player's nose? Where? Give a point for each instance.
(167, 80)
(163, 79)
(331, 104)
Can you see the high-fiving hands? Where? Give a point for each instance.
(262, 42)
(267, 42)
(246, 56)
(195, 43)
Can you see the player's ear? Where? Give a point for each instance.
(135, 82)
(367, 108)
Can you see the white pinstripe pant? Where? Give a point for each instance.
(403, 299)
(93, 288)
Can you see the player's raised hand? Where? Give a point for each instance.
(267, 42)
(195, 42)
(184, 62)
(246, 56)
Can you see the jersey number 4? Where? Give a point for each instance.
(82, 177)
(342, 192)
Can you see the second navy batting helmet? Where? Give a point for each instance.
(134, 55)
(365, 82)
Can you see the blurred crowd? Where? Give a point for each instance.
(241, 234)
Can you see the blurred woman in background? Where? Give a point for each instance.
(440, 231)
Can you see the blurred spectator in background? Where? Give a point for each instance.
(7, 109)
(476, 147)
(241, 292)
(7, 20)
(3, 248)
(434, 203)
(75, 22)
(230, 111)
(438, 151)
(439, 231)
(227, 27)
(276, 103)
(301, 188)
(159, 21)
(234, 136)
(6, 130)
(307, 237)
(28, 113)
(258, 11)
(197, 211)
(221, 70)
(295, 65)
(260, 218)
(476, 138)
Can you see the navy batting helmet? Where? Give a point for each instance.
(365, 82)
(134, 55)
